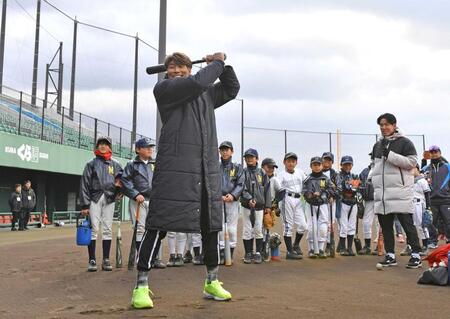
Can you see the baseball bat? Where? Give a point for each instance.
(226, 235)
(252, 210)
(132, 255)
(162, 68)
(332, 244)
(380, 244)
(118, 246)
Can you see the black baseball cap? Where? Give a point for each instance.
(328, 155)
(251, 152)
(106, 139)
(316, 159)
(347, 159)
(269, 162)
(290, 155)
(226, 144)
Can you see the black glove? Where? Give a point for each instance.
(386, 152)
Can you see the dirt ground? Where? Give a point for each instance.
(43, 275)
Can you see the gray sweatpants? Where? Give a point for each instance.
(143, 211)
(101, 213)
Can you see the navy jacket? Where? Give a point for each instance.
(99, 178)
(28, 199)
(260, 192)
(317, 183)
(137, 178)
(233, 178)
(437, 173)
(347, 191)
(366, 188)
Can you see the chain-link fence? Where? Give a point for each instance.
(276, 142)
(43, 121)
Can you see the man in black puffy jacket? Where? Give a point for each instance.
(99, 187)
(28, 204)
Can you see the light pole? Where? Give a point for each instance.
(242, 130)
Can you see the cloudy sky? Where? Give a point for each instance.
(308, 65)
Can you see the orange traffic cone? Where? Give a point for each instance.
(46, 222)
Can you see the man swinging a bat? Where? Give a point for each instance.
(186, 192)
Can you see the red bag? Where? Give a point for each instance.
(438, 255)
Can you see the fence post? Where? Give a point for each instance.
(79, 130)
(120, 141)
(20, 112)
(376, 138)
(285, 141)
(42, 121)
(95, 132)
(423, 142)
(62, 126)
(330, 142)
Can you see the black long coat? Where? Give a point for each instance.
(187, 177)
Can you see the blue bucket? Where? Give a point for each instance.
(84, 232)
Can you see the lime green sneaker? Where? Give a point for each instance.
(214, 290)
(141, 298)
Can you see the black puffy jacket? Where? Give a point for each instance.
(99, 177)
(256, 187)
(137, 178)
(15, 202)
(436, 174)
(28, 199)
(233, 178)
(366, 187)
(187, 177)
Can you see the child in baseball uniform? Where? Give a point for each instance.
(177, 244)
(334, 205)
(255, 200)
(317, 191)
(99, 187)
(137, 183)
(348, 185)
(233, 179)
(367, 192)
(290, 182)
(422, 192)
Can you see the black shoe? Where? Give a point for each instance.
(414, 263)
(344, 252)
(106, 265)
(327, 250)
(298, 250)
(13, 229)
(187, 257)
(257, 258)
(92, 265)
(178, 261)
(322, 254)
(198, 260)
(21, 229)
(171, 261)
(365, 251)
(293, 255)
(25, 228)
(388, 261)
(350, 252)
(248, 258)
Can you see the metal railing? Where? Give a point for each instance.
(45, 122)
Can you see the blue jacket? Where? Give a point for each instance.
(137, 178)
(437, 175)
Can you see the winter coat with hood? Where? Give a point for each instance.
(393, 177)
